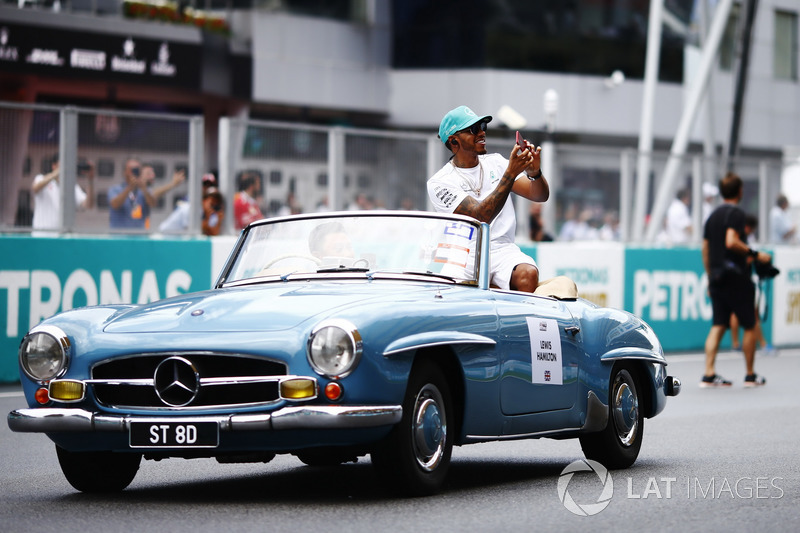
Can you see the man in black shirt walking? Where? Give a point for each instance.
(727, 260)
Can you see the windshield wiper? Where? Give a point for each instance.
(429, 273)
(342, 268)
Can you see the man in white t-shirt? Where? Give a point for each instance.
(679, 220)
(782, 228)
(479, 185)
(47, 197)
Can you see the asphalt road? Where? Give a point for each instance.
(713, 460)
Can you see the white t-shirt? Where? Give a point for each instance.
(450, 185)
(47, 204)
(178, 220)
(780, 224)
(679, 222)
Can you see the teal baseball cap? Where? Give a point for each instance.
(458, 119)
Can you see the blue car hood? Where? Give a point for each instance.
(269, 307)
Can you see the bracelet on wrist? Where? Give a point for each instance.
(535, 177)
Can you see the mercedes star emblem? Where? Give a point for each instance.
(176, 381)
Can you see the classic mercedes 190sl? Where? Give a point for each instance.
(333, 336)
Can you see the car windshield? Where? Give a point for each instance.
(369, 242)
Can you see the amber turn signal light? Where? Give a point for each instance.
(298, 389)
(67, 390)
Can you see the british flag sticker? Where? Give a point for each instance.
(547, 376)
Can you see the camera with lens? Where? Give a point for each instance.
(766, 270)
(84, 167)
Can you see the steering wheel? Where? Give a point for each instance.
(307, 257)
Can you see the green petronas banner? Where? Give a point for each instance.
(42, 276)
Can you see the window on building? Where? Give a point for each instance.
(593, 37)
(728, 48)
(785, 52)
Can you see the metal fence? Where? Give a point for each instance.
(90, 147)
(303, 168)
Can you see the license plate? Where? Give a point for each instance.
(174, 434)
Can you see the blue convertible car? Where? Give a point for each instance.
(335, 336)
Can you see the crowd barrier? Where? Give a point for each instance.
(40, 276)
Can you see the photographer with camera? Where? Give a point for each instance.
(130, 202)
(47, 195)
(727, 260)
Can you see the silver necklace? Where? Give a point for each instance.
(474, 188)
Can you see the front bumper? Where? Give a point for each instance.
(54, 420)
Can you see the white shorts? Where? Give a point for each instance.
(502, 260)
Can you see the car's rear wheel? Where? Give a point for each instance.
(618, 445)
(416, 455)
(98, 471)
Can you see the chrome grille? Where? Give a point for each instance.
(225, 380)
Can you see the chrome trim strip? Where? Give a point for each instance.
(440, 343)
(49, 420)
(358, 276)
(634, 353)
(435, 338)
(522, 435)
(230, 380)
(335, 416)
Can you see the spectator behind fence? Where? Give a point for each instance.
(781, 226)
(130, 202)
(245, 205)
(47, 195)
(149, 175)
(678, 225)
(710, 193)
(536, 224)
(609, 231)
(291, 207)
(571, 225)
(213, 211)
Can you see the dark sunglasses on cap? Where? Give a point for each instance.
(475, 128)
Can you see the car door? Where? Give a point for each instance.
(540, 354)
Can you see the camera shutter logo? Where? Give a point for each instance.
(586, 509)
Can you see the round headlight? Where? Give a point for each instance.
(43, 352)
(334, 348)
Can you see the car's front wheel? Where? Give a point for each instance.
(618, 445)
(416, 455)
(98, 471)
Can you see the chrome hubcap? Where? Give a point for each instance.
(625, 409)
(429, 431)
